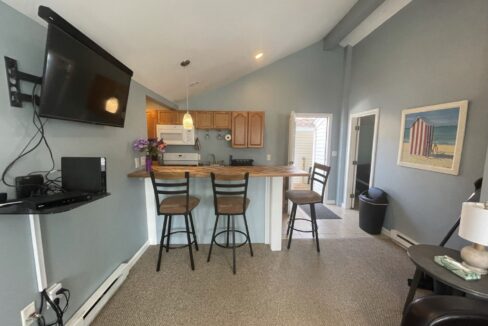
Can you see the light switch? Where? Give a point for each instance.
(268, 157)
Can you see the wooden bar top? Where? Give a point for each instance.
(204, 171)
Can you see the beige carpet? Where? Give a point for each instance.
(351, 282)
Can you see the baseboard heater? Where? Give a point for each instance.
(401, 239)
(90, 309)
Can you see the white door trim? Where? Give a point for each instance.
(349, 168)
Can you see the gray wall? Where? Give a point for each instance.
(430, 52)
(484, 190)
(307, 81)
(84, 246)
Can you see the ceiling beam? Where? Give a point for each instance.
(360, 11)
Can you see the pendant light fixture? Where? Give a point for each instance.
(187, 119)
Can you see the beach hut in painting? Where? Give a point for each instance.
(421, 136)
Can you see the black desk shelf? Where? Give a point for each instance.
(19, 209)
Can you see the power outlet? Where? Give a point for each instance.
(268, 157)
(27, 313)
(53, 290)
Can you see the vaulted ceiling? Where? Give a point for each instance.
(220, 37)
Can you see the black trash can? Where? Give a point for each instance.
(372, 209)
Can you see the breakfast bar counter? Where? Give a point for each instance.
(265, 191)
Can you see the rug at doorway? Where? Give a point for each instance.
(322, 212)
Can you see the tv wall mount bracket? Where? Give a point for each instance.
(14, 76)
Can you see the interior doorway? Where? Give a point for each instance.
(363, 130)
(309, 142)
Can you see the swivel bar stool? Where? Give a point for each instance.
(308, 197)
(179, 203)
(230, 198)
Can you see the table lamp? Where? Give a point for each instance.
(474, 228)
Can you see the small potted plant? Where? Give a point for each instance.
(152, 147)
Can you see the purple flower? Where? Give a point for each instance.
(140, 145)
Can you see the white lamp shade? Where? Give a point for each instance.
(187, 121)
(474, 223)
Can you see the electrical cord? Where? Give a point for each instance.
(39, 124)
(24, 150)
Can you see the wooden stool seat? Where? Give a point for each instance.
(177, 205)
(303, 197)
(231, 205)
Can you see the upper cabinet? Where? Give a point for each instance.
(239, 129)
(247, 127)
(167, 117)
(151, 120)
(255, 129)
(204, 120)
(222, 120)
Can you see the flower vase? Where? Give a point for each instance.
(148, 163)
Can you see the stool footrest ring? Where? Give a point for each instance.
(304, 231)
(230, 245)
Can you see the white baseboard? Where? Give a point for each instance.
(89, 310)
(386, 232)
(330, 202)
(401, 239)
(138, 255)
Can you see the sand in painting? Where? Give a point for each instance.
(442, 158)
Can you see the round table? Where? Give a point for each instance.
(423, 258)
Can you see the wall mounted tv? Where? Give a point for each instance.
(81, 81)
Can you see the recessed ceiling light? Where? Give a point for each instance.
(259, 55)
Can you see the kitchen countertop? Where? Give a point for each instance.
(204, 171)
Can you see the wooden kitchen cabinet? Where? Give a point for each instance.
(151, 121)
(222, 120)
(181, 114)
(255, 129)
(204, 120)
(248, 129)
(239, 129)
(167, 117)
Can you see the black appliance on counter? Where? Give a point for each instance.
(240, 162)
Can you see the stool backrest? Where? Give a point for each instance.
(171, 184)
(320, 174)
(235, 185)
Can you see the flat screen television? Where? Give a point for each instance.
(81, 81)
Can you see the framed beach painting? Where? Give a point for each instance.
(431, 137)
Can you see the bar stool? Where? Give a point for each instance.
(308, 197)
(179, 204)
(230, 199)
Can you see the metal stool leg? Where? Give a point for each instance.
(289, 222)
(213, 238)
(233, 244)
(189, 242)
(169, 231)
(193, 232)
(228, 229)
(161, 243)
(292, 217)
(248, 236)
(314, 225)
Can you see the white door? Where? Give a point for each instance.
(291, 138)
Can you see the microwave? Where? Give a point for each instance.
(176, 134)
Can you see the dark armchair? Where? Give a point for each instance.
(444, 310)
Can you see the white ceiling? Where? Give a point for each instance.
(220, 37)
